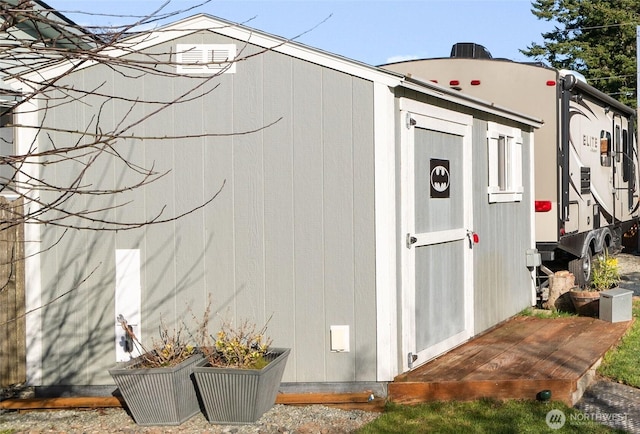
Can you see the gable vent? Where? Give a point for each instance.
(206, 58)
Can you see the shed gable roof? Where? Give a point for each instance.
(298, 50)
(267, 41)
(204, 22)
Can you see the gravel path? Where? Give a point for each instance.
(630, 272)
(612, 404)
(313, 419)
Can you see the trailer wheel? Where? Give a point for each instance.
(581, 269)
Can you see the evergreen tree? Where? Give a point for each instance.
(595, 38)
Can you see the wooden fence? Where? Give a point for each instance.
(12, 296)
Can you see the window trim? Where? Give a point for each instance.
(7, 145)
(510, 175)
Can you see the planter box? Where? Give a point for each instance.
(158, 396)
(587, 303)
(239, 396)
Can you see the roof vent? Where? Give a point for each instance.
(470, 50)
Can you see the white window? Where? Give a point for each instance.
(206, 58)
(6, 143)
(504, 146)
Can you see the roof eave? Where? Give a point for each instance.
(456, 97)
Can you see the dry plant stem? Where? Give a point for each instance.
(170, 350)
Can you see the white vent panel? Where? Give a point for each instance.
(206, 58)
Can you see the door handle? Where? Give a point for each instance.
(473, 238)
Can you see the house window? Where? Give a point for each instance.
(504, 146)
(6, 143)
(206, 58)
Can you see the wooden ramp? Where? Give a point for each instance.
(515, 360)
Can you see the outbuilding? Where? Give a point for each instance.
(378, 220)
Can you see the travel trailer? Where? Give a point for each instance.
(586, 156)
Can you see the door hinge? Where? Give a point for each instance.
(411, 240)
(410, 359)
(411, 122)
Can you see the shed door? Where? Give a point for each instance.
(438, 272)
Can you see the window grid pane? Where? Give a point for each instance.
(502, 163)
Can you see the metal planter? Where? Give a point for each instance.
(158, 396)
(240, 396)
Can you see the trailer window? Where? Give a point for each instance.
(626, 155)
(504, 151)
(605, 148)
(617, 143)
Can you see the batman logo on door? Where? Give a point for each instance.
(439, 178)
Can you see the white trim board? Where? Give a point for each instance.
(242, 33)
(385, 233)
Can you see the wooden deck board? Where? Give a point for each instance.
(464, 360)
(575, 356)
(515, 360)
(519, 359)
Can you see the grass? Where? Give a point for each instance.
(621, 364)
(514, 416)
(482, 416)
(544, 313)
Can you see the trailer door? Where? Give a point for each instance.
(437, 311)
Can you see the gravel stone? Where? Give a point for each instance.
(284, 419)
(612, 404)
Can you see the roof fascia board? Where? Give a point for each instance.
(290, 47)
(236, 31)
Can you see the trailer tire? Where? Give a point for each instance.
(581, 269)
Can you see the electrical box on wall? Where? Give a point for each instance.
(534, 259)
(339, 338)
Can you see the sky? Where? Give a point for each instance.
(374, 32)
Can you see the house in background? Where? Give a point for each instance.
(35, 24)
(41, 25)
(379, 221)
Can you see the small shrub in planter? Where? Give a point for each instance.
(604, 275)
(238, 379)
(157, 386)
